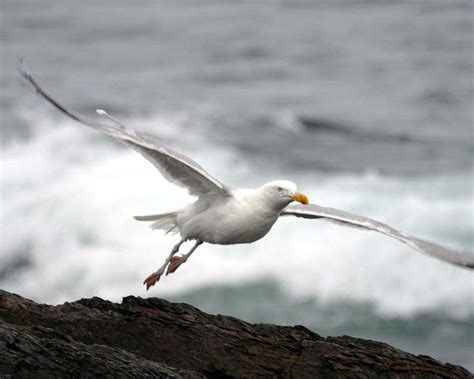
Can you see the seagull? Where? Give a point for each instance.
(225, 215)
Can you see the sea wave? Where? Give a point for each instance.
(67, 228)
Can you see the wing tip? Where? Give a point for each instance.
(25, 73)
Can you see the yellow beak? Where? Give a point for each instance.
(300, 197)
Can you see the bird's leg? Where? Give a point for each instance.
(155, 276)
(175, 262)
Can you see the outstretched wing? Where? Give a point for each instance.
(174, 166)
(312, 211)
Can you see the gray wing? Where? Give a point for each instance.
(312, 211)
(174, 166)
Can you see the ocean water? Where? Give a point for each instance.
(366, 105)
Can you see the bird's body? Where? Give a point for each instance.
(243, 216)
(224, 215)
(230, 220)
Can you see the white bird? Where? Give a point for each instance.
(224, 215)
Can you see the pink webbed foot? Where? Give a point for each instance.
(175, 262)
(152, 279)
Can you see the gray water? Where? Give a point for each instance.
(367, 105)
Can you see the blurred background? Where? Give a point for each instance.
(367, 105)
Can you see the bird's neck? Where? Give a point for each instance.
(268, 202)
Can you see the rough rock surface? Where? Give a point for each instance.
(157, 339)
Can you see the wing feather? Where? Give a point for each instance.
(312, 211)
(174, 166)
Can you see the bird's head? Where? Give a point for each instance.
(283, 192)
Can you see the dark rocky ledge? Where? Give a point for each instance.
(157, 339)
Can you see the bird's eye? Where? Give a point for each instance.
(279, 189)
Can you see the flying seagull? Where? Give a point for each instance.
(224, 215)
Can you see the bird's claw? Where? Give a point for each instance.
(174, 263)
(152, 279)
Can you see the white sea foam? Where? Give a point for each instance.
(68, 201)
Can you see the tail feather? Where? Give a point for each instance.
(163, 221)
(149, 217)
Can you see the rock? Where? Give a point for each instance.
(154, 338)
(24, 354)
